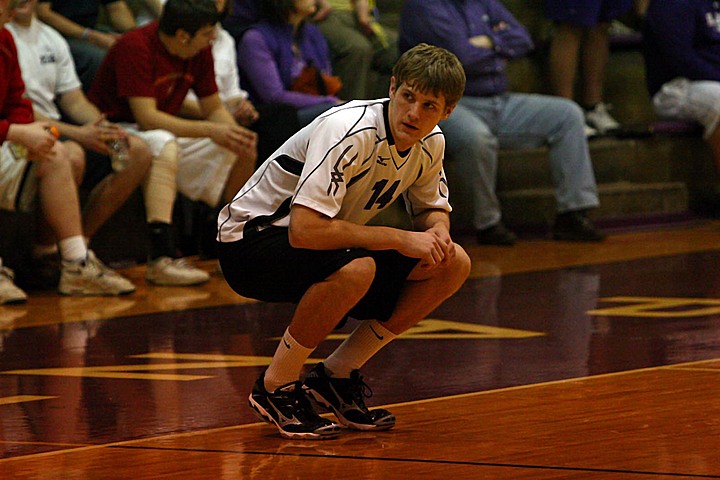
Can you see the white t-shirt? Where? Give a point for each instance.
(343, 165)
(226, 69)
(47, 66)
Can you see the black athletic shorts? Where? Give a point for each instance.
(265, 267)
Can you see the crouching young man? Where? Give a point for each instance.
(297, 232)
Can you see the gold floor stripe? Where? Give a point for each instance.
(173, 436)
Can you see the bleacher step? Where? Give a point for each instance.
(523, 207)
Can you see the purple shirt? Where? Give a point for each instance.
(682, 39)
(451, 23)
(268, 66)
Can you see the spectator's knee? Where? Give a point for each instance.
(67, 159)
(570, 110)
(140, 152)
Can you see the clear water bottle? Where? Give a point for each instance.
(119, 153)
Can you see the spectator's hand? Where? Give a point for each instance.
(35, 136)
(95, 135)
(235, 138)
(244, 112)
(481, 41)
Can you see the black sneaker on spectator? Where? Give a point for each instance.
(345, 397)
(291, 411)
(498, 234)
(576, 227)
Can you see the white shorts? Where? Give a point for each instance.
(683, 99)
(18, 183)
(203, 166)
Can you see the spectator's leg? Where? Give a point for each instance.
(534, 120)
(563, 58)
(58, 194)
(595, 51)
(56, 180)
(112, 191)
(351, 51)
(473, 148)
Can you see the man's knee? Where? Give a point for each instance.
(140, 152)
(74, 154)
(568, 110)
(359, 272)
(67, 160)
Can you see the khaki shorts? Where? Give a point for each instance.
(18, 182)
(203, 166)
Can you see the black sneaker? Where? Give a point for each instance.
(498, 234)
(576, 227)
(291, 411)
(345, 397)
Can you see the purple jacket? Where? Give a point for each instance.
(682, 39)
(451, 23)
(266, 61)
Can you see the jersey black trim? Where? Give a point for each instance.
(289, 164)
(256, 225)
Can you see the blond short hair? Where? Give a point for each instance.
(431, 69)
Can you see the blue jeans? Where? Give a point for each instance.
(479, 126)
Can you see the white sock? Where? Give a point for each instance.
(287, 363)
(73, 249)
(358, 348)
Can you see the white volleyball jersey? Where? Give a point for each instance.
(344, 165)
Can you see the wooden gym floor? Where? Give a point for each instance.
(554, 361)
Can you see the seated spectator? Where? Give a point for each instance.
(682, 63)
(227, 77)
(484, 35)
(236, 101)
(142, 85)
(363, 52)
(581, 33)
(275, 52)
(54, 89)
(78, 23)
(34, 165)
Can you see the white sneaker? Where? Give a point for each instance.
(600, 119)
(174, 272)
(9, 293)
(590, 132)
(92, 277)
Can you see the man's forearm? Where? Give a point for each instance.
(432, 218)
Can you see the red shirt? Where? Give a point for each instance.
(14, 108)
(139, 65)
